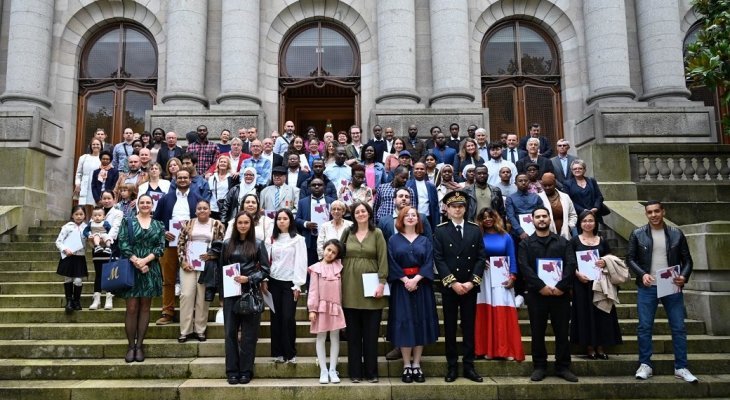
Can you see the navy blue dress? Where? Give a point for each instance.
(412, 318)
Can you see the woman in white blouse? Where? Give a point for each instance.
(88, 163)
(332, 229)
(219, 184)
(288, 273)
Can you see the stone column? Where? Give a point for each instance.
(397, 52)
(660, 45)
(186, 37)
(29, 53)
(607, 51)
(240, 51)
(450, 52)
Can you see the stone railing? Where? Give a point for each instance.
(692, 166)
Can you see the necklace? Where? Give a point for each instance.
(592, 241)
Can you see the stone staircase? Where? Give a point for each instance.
(46, 354)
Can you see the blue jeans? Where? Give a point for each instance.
(674, 307)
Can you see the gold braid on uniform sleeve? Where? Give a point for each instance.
(477, 280)
(447, 281)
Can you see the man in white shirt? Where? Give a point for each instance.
(495, 162)
(339, 173)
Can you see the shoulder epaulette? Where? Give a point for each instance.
(443, 223)
(473, 223)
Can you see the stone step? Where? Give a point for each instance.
(35, 237)
(658, 387)
(171, 331)
(53, 223)
(47, 266)
(20, 256)
(37, 276)
(44, 230)
(28, 246)
(57, 314)
(306, 367)
(213, 347)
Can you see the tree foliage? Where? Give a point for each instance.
(708, 58)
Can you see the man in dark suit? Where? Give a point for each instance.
(171, 150)
(561, 164)
(311, 211)
(378, 143)
(533, 157)
(402, 199)
(276, 159)
(512, 153)
(318, 172)
(425, 190)
(545, 149)
(294, 175)
(164, 212)
(459, 256)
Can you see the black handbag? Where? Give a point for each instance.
(250, 303)
(118, 275)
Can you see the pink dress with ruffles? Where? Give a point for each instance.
(325, 296)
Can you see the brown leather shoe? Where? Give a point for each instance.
(164, 320)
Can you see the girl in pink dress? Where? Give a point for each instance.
(324, 303)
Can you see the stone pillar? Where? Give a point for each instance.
(397, 52)
(29, 53)
(660, 46)
(186, 38)
(607, 51)
(240, 50)
(450, 53)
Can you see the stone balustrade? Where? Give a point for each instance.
(680, 167)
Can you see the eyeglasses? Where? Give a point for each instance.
(562, 145)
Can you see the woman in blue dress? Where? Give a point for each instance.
(412, 319)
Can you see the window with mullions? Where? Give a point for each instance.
(319, 50)
(521, 80)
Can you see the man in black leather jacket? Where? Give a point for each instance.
(647, 245)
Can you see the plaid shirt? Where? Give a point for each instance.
(385, 200)
(207, 153)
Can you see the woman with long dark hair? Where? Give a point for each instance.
(144, 254)
(253, 267)
(288, 274)
(366, 253)
(114, 217)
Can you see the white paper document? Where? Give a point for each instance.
(269, 301)
(499, 271)
(370, 284)
(175, 226)
(231, 288)
(550, 270)
(526, 223)
(72, 242)
(587, 264)
(665, 281)
(195, 250)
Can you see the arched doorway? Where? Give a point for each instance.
(117, 82)
(319, 78)
(710, 97)
(521, 80)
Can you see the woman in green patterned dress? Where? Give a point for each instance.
(144, 254)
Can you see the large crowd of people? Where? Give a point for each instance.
(359, 226)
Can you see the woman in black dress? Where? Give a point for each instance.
(589, 326)
(242, 248)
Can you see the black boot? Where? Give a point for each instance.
(68, 290)
(77, 298)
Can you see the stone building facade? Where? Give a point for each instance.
(592, 71)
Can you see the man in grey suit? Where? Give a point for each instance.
(561, 163)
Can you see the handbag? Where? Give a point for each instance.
(118, 275)
(250, 303)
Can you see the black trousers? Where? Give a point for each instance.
(283, 321)
(539, 308)
(362, 342)
(97, 275)
(239, 357)
(464, 306)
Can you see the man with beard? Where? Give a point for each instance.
(205, 150)
(427, 200)
(281, 145)
(543, 250)
(402, 199)
(459, 257)
(483, 195)
(312, 211)
(385, 194)
(443, 153)
(415, 146)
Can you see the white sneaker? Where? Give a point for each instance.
(519, 301)
(177, 290)
(279, 360)
(292, 360)
(324, 377)
(219, 316)
(645, 372)
(334, 376)
(683, 373)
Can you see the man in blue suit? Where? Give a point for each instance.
(443, 153)
(178, 204)
(401, 200)
(427, 200)
(306, 219)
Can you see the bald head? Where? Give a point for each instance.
(548, 183)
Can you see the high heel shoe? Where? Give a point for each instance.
(139, 354)
(129, 357)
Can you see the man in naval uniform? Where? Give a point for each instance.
(460, 257)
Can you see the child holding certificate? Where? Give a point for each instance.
(72, 265)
